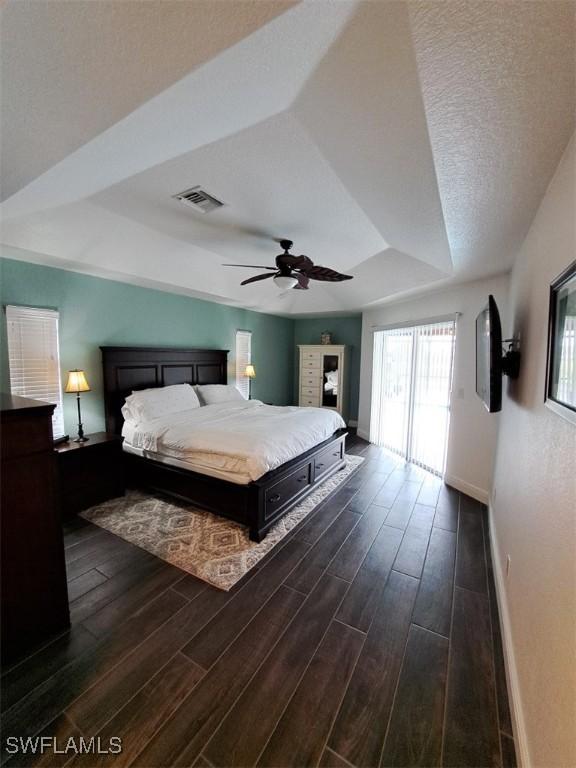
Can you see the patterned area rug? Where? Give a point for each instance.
(210, 547)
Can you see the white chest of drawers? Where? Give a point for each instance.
(323, 377)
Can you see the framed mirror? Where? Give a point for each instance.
(561, 373)
(330, 381)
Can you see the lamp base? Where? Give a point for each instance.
(81, 439)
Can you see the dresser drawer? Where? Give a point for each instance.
(310, 379)
(324, 461)
(285, 490)
(309, 401)
(311, 364)
(32, 433)
(306, 392)
(312, 355)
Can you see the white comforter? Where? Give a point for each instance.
(248, 438)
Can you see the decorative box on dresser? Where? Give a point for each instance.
(34, 591)
(323, 381)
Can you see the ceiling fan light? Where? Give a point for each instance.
(285, 281)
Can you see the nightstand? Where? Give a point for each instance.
(89, 473)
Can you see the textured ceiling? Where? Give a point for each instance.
(404, 143)
(498, 84)
(72, 69)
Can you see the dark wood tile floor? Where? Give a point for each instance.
(370, 637)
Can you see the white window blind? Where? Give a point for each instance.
(566, 391)
(34, 358)
(243, 358)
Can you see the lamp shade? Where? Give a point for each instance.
(285, 281)
(250, 372)
(77, 382)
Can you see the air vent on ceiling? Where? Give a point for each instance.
(200, 199)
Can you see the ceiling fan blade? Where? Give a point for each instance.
(304, 263)
(256, 278)
(327, 275)
(302, 281)
(249, 266)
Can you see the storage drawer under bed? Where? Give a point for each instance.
(284, 491)
(326, 460)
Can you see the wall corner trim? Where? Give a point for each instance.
(363, 434)
(470, 490)
(513, 684)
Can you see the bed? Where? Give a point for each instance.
(193, 473)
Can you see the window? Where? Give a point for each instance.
(243, 358)
(34, 358)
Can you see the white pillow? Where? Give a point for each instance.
(211, 394)
(149, 404)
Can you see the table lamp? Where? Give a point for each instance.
(250, 372)
(77, 383)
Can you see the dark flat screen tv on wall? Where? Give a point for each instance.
(489, 356)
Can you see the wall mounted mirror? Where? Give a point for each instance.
(330, 381)
(561, 374)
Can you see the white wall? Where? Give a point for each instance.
(473, 431)
(534, 503)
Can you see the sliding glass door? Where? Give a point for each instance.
(411, 383)
(391, 385)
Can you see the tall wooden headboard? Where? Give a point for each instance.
(131, 368)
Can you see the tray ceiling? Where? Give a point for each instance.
(403, 143)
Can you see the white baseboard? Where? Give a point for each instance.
(514, 698)
(470, 490)
(363, 435)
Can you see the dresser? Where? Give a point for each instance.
(323, 377)
(34, 591)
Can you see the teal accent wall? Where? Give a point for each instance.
(345, 330)
(96, 312)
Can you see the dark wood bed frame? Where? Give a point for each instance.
(260, 503)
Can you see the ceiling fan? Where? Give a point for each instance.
(293, 271)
